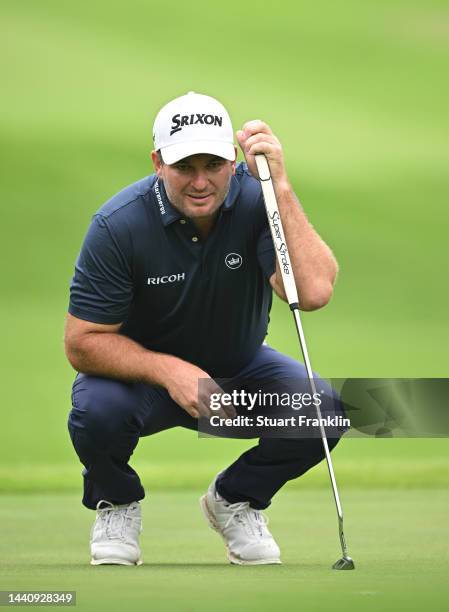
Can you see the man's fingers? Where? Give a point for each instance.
(227, 407)
(221, 410)
(205, 399)
(226, 411)
(255, 126)
(230, 411)
(268, 139)
(256, 138)
(204, 406)
(203, 410)
(212, 400)
(240, 137)
(193, 412)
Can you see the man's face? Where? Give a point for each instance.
(196, 185)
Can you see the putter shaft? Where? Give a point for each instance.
(281, 249)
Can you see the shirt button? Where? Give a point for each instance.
(183, 222)
(194, 239)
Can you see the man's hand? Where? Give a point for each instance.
(98, 349)
(257, 137)
(191, 388)
(314, 266)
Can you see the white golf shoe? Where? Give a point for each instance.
(115, 534)
(243, 529)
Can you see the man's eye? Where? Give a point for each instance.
(215, 165)
(182, 167)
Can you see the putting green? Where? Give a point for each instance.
(178, 460)
(398, 540)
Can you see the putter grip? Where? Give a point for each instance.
(277, 231)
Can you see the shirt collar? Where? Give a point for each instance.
(169, 214)
(234, 190)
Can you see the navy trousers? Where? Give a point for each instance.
(108, 418)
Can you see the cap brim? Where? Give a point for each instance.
(174, 153)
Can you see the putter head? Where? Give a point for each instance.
(345, 563)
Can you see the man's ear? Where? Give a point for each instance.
(157, 164)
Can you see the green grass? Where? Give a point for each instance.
(178, 460)
(398, 540)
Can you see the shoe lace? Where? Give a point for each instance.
(115, 520)
(252, 520)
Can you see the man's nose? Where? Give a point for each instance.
(199, 180)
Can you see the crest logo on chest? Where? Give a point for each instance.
(233, 261)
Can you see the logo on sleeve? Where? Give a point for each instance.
(233, 261)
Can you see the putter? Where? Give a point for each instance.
(280, 246)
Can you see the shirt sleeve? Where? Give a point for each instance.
(102, 288)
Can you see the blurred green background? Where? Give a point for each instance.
(358, 94)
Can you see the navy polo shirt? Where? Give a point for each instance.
(144, 265)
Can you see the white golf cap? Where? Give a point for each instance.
(192, 124)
